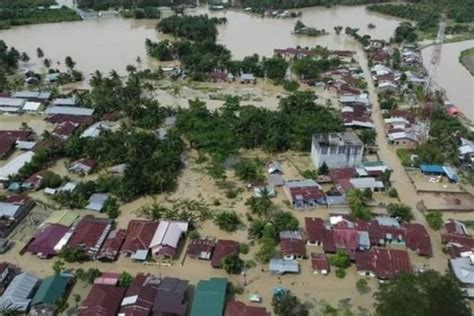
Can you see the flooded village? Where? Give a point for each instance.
(144, 179)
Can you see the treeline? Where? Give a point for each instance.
(260, 5)
(195, 28)
(127, 4)
(428, 12)
(25, 4)
(9, 58)
(19, 16)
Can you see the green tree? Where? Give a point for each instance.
(275, 68)
(362, 286)
(70, 63)
(125, 279)
(435, 219)
(249, 170)
(232, 264)
(111, 208)
(400, 211)
(284, 221)
(367, 136)
(428, 293)
(24, 57)
(340, 260)
(288, 304)
(261, 206)
(39, 53)
(368, 194)
(77, 299)
(358, 204)
(47, 62)
(324, 169)
(58, 266)
(228, 221)
(266, 250)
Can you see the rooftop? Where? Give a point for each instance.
(209, 297)
(337, 139)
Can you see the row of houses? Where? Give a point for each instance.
(460, 244)
(365, 242)
(147, 294)
(99, 240)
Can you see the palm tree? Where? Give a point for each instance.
(39, 53)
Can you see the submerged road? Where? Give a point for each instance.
(399, 179)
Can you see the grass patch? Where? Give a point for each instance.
(467, 59)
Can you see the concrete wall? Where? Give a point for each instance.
(336, 156)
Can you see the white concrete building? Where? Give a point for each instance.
(337, 150)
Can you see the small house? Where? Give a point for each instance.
(223, 248)
(236, 308)
(49, 241)
(320, 263)
(247, 78)
(166, 239)
(82, 166)
(111, 247)
(171, 297)
(102, 300)
(140, 295)
(280, 266)
(140, 233)
(292, 245)
(51, 290)
(383, 263)
(18, 294)
(304, 193)
(90, 234)
(209, 297)
(7, 273)
(314, 230)
(201, 248)
(97, 201)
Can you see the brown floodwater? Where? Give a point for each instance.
(453, 77)
(113, 43)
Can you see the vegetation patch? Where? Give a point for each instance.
(467, 59)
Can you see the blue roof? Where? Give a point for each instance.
(451, 173)
(432, 169)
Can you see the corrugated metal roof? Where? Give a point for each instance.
(69, 110)
(15, 165)
(209, 297)
(18, 292)
(51, 290)
(12, 102)
(281, 266)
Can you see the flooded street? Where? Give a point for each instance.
(453, 77)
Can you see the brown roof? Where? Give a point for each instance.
(201, 245)
(417, 239)
(319, 261)
(103, 300)
(236, 308)
(88, 233)
(59, 118)
(455, 227)
(384, 263)
(15, 134)
(314, 228)
(145, 288)
(223, 248)
(170, 298)
(292, 247)
(7, 144)
(65, 129)
(342, 173)
(112, 244)
(139, 235)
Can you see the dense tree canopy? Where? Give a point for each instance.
(192, 27)
(428, 293)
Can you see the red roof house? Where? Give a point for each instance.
(170, 298)
(112, 245)
(236, 308)
(139, 236)
(103, 300)
(320, 263)
(61, 118)
(383, 263)
(314, 230)
(292, 248)
(201, 248)
(45, 242)
(90, 234)
(417, 239)
(138, 300)
(223, 248)
(65, 129)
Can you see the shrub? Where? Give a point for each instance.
(393, 193)
(435, 219)
(340, 273)
(232, 264)
(194, 234)
(340, 260)
(244, 248)
(228, 221)
(362, 286)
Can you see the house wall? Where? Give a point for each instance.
(336, 156)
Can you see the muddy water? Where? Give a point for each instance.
(454, 78)
(114, 43)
